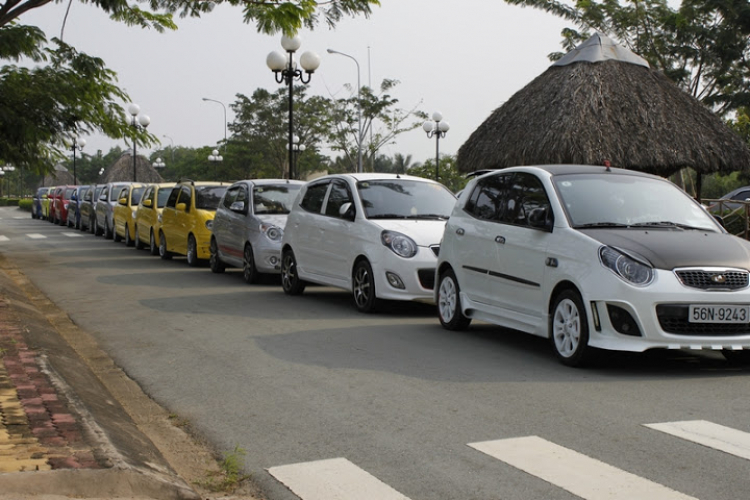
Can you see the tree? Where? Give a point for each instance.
(382, 122)
(703, 45)
(74, 93)
(448, 172)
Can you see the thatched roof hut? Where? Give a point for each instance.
(60, 176)
(122, 170)
(602, 103)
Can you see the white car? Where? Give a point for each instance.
(594, 257)
(377, 235)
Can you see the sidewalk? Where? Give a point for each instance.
(72, 424)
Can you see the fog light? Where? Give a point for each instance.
(622, 321)
(395, 281)
(274, 261)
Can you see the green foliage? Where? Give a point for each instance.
(25, 204)
(229, 476)
(9, 202)
(448, 173)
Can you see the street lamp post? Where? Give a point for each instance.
(137, 120)
(225, 119)
(171, 141)
(438, 128)
(285, 70)
(6, 171)
(78, 144)
(296, 148)
(359, 110)
(215, 158)
(159, 163)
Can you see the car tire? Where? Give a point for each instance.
(192, 252)
(214, 261)
(249, 272)
(569, 329)
(128, 239)
(450, 313)
(98, 231)
(153, 248)
(363, 288)
(163, 252)
(739, 358)
(116, 237)
(108, 234)
(290, 281)
(138, 243)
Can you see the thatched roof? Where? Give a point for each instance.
(591, 107)
(122, 170)
(60, 176)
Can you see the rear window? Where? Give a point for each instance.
(209, 197)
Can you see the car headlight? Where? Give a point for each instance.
(273, 233)
(400, 243)
(627, 268)
(210, 224)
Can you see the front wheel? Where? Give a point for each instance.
(363, 288)
(192, 252)
(116, 237)
(107, 230)
(449, 302)
(153, 248)
(128, 239)
(290, 281)
(214, 262)
(163, 252)
(138, 243)
(249, 271)
(569, 329)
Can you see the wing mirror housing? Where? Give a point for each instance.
(347, 211)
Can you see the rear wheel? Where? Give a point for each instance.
(290, 281)
(569, 329)
(192, 252)
(163, 252)
(249, 272)
(449, 302)
(116, 236)
(128, 239)
(138, 243)
(153, 248)
(214, 262)
(363, 288)
(107, 229)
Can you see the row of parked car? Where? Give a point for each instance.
(588, 257)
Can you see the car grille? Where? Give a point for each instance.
(673, 318)
(716, 279)
(427, 278)
(435, 249)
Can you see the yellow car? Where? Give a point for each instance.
(148, 216)
(46, 202)
(187, 219)
(123, 213)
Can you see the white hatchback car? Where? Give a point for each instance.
(377, 235)
(594, 257)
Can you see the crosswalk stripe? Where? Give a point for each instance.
(4, 238)
(73, 235)
(709, 434)
(583, 476)
(333, 479)
(36, 236)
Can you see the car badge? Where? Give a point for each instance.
(718, 278)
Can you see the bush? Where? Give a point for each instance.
(25, 204)
(9, 202)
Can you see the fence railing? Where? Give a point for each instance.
(734, 213)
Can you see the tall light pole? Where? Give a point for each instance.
(172, 146)
(6, 170)
(438, 128)
(137, 121)
(215, 158)
(296, 148)
(78, 144)
(225, 119)
(359, 110)
(285, 70)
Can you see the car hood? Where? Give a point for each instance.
(423, 232)
(672, 248)
(278, 220)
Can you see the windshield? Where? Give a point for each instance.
(274, 199)
(611, 200)
(405, 199)
(208, 197)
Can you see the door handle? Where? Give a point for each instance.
(500, 239)
(460, 231)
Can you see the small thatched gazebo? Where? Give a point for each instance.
(60, 176)
(600, 103)
(122, 170)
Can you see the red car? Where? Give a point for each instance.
(60, 200)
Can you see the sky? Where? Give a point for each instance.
(463, 58)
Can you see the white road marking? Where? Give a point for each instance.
(709, 434)
(4, 238)
(583, 476)
(73, 235)
(36, 236)
(333, 479)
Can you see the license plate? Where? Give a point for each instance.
(719, 314)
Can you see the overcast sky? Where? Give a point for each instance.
(463, 58)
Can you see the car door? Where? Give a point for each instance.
(183, 220)
(523, 236)
(306, 231)
(224, 226)
(336, 233)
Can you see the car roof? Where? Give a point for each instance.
(374, 176)
(560, 169)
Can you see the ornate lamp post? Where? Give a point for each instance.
(215, 158)
(137, 121)
(159, 163)
(285, 70)
(359, 110)
(437, 128)
(225, 119)
(78, 144)
(296, 148)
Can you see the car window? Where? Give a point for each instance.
(274, 198)
(488, 200)
(527, 200)
(338, 195)
(405, 199)
(208, 197)
(148, 195)
(162, 196)
(314, 196)
(172, 200)
(231, 196)
(69, 192)
(741, 196)
(135, 196)
(186, 197)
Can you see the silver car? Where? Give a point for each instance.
(249, 224)
(105, 208)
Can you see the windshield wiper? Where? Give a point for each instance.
(601, 225)
(428, 216)
(387, 216)
(670, 224)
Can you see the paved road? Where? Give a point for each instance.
(391, 403)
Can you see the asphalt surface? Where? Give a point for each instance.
(72, 424)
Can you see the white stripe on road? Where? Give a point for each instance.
(333, 479)
(4, 238)
(73, 235)
(709, 434)
(36, 236)
(572, 471)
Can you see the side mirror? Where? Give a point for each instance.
(720, 220)
(122, 201)
(87, 197)
(238, 206)
(347, 211)
(103, 197)
(540, 218)
(147, 203)
(181, 206)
